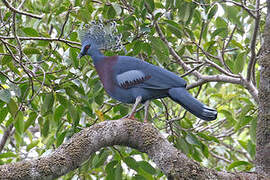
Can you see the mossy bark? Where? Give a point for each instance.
(263, 125)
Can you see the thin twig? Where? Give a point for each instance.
(193, 69)
(16, 37)
(230, 38)
(66, 19)
(44, 39)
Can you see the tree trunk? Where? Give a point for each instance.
(263, 125)
(142, 136)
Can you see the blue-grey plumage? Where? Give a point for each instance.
(131, 80)
(126, 78)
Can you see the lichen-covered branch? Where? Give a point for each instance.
(142, 136)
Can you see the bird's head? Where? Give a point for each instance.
(98, 36)
(87, 49)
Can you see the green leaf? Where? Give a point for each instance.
(132, 163)
(158, 103)
(137, 47)
(239, 62)
(252, 129)
(100, 159)
(118, 171)
(207, 137)
(3, 114)
(45, 128)
(196, 155)
(111, 170)
(185, 10)
(150, 4)
(111, 13)
(205, 150)
(147, 48)
(219, 31)
(73, 112)
(14, 68)
(73, 54)
(87, 110)
(244, 120)
(30, 121)
(251, 148)
(62, 99)
(58, 113)
(232, 13)
(221, 23)
(47, 105)
(19, 122)
(84, 14)
(243, 144)
(31, 50)
(238, 163)
(228, 115)
(147, 167)
(30, 31)
(161, 50)
(7, 155)
(192, 139)
(32, 145)
(60, 138)
(138, 177)
(12, 107)
(212, 12)
(174, 28)
(73, 36)
(183, 145)
(5, 95)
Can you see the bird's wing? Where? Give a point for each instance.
(131, 72)
(131, 78)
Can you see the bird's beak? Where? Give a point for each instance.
(80, 55)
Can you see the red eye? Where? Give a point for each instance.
(87, 47)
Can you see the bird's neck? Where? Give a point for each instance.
(96, 55)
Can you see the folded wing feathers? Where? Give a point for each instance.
(131, 78)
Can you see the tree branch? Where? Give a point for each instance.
(252, 60)
(44, 39)
(206, 78)
(142, 136)
(5, 137)
(21, 12)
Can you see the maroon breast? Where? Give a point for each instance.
(105, 72)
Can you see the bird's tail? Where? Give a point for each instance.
(182, 96)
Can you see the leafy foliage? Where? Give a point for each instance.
(47, 94)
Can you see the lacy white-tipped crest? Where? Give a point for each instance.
(103, 36)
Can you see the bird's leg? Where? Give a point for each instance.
(138, 100)
(146, 108)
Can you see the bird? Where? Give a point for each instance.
(132, 80)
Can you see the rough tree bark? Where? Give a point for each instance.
(142, 136)
(263, 125)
